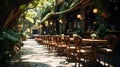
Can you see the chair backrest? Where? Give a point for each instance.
(78, 41)
(112, 41)
(58, 40)
(49, 39)
(67, 40)
(54, 39)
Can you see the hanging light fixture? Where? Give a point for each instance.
(79, 16)
(94, 22)
(95, 10)
(51, 23)
(60, 21)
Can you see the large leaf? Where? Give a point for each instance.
(10, 35)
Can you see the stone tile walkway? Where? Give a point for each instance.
(34, 55)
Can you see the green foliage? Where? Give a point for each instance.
(45, 7)
(73, 3)
(102, 31)
(32, 4)
(10, 40)
(10, 35)
(38, 9)
(79, 31)
(67, 4)
(9, 45)
(22, 6)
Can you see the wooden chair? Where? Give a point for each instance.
(71, 49)
(53, 42)
(46, 41)
(107, 51)
(61, 45)
(83, 52)
(50, 42)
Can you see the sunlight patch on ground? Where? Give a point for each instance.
(26, 56)
(34, 53)
(15, 61)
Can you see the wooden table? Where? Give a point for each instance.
(94, 43)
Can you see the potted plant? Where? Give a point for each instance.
(93, 36)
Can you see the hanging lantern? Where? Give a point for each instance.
(79, 16)
(60, 21)
(51, 23)
(95, 10)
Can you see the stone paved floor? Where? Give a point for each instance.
(34, 55)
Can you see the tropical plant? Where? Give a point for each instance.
(102, 31)
(10, 42)
(10, 38)
(79, 31)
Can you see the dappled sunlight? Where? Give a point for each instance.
(15, 61)
(26, 56)
(38, 55)
(106, 64)
(30, 64)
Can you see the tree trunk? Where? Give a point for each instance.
(13, 14)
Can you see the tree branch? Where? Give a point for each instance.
(82, 4)
(10, 18)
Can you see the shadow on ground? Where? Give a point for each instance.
(29, 64)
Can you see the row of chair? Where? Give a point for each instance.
(73, 51)
(76, 50)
